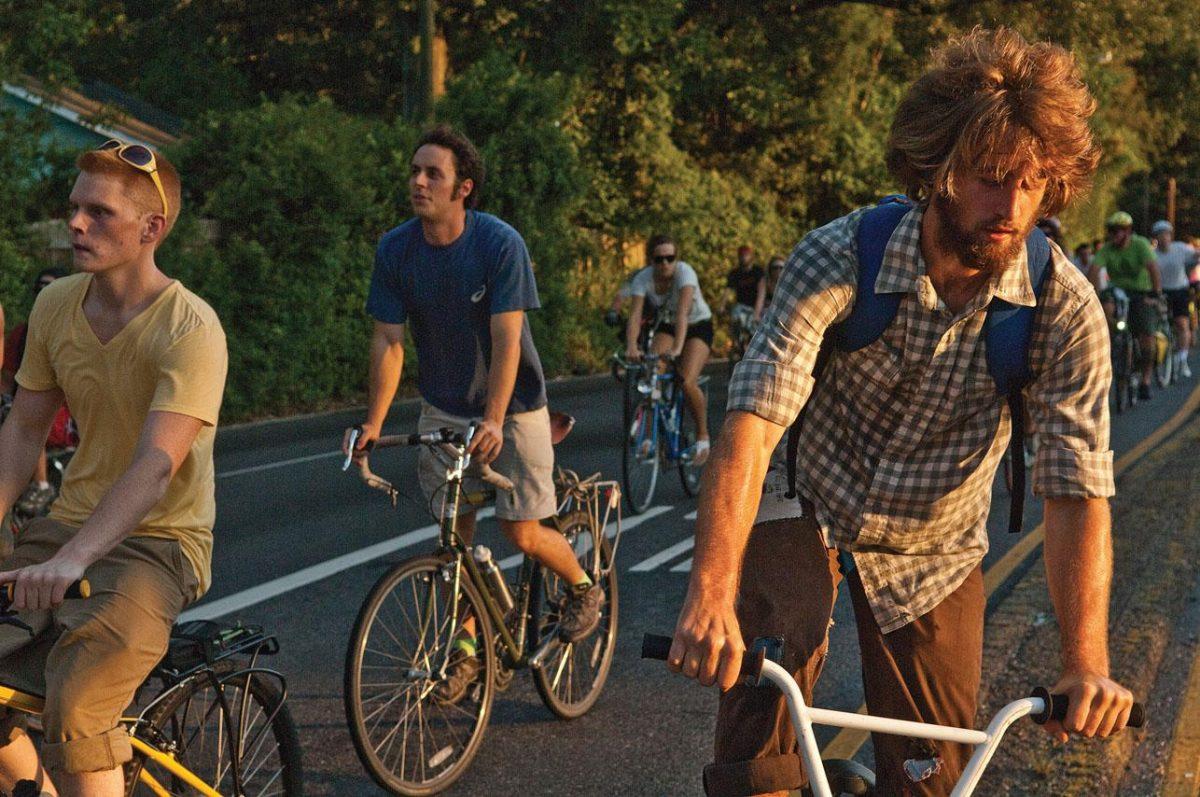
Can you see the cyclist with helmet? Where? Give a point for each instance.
(1131, 265)
(1175, 260)
(774, 269)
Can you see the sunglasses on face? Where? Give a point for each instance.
(141, 158)
(664, 259)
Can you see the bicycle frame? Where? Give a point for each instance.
(32, 704)
(666, 416)
(803, 718)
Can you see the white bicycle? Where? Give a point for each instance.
(852, 778)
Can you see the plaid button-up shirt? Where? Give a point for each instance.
(902, 438)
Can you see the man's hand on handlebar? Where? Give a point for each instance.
(708, 642)
(42, 586)
(367, 434)
(1099, 706)
(486, 442)
(633, 354)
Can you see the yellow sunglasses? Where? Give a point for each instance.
(141, 158)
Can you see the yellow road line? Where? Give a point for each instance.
(847, 742)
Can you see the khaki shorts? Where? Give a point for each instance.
(527, 459)
(90, 656)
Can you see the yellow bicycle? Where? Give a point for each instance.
(215, 723)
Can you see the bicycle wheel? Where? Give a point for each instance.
(1164, 367)
(191, 719)
(639, 455)
(1122, 367)
(573, 676)
(689, 474)
(409, 741)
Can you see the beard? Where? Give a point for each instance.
(971, 244)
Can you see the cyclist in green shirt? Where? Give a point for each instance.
(1131, 265)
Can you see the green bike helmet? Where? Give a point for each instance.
(1120, 219)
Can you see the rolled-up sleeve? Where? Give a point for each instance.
(816, 289)
(1069, 406)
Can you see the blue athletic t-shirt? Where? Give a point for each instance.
(447, 296)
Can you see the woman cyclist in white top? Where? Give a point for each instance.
(684, 331)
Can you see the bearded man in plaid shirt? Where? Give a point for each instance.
(902, 438)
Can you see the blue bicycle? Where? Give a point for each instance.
(659, 431)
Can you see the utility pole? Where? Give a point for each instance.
(1171, 187)
(425, 12)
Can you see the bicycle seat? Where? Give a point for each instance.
(561, 425)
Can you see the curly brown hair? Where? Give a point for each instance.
(992, 101)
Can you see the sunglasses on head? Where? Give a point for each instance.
(141, 158)
(664, 259)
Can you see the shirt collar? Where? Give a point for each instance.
(903, 266)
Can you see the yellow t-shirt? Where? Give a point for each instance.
(171, 358)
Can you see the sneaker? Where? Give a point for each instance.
(462, 671)
(1184, 371)
(36, 500)
(699, 452)
(1143, 392)
(580, 613)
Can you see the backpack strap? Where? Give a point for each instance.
(871, 314)
(1008, 329)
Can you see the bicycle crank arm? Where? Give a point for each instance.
(538, 659)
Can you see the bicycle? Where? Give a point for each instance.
(410, 741)
(659, 430)
(1164, 345)
(850, 777)
(1126, 353)
(218, 726)
(741, 329)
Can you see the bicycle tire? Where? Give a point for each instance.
(184, 715)
(689, 474)
(639, 466)
(595, 652)
(451, 760)
(1164, 369)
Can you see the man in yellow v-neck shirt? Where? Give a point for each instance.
(141, 361)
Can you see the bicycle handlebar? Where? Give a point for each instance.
(1058, 705)
(77, 590)
(656, 646)
(440, 437)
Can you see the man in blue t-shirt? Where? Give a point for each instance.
(461, 280)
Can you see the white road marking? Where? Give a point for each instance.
(690, 515)
(683, 567)
(309, 575)
(663, 556)
(281, 464)
(610, 531)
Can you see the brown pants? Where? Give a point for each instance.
(90, 656)
(927, 671)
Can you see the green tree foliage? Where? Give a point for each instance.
(299, 193)
(602, 122)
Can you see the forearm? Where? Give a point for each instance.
(1078, 554)
(729, 496)
(1155, 276)
(633, 327)
(387, 363)
(19, 449)
(502, 377)
(122, 509)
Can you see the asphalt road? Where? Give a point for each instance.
(299, 544)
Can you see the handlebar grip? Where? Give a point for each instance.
(76, 591)
(657, 646)
(1058, 705)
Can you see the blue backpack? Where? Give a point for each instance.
(1007, 330)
